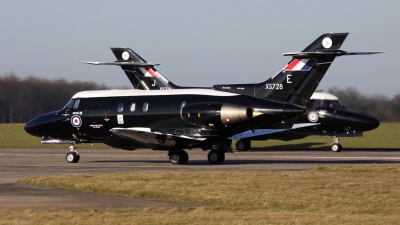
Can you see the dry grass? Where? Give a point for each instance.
(359, 194)
(201, 215)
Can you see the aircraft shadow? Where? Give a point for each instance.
(257, 161)
(309, 147)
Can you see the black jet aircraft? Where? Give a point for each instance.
(337, 120)
(174, 120)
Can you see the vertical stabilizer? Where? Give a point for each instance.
(146, 78)
(297, 80)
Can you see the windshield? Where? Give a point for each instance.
(336, 104)
(69, 104)
(325, 104)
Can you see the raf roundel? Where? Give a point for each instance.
(327, 42)
(313, 117)
(76, 121)
(125, 55)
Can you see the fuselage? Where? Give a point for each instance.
(90, 115)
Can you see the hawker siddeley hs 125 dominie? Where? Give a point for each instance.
(330, 118)
(178, 119)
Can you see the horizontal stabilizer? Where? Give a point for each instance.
(327, 53)
(262, 132)
(124, 63)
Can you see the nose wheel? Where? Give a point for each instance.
(336, 146)
(72, 156)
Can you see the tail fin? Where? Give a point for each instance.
(297, 81)
(146, 78)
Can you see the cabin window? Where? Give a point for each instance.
(145, 107)
(76, 104)
(133, 107)
(120, 107)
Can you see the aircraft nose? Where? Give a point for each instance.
(30, 127)
(369, 123)
(40, 125)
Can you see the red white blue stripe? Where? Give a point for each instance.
(300, 65)
(150, 72)
(147, 72)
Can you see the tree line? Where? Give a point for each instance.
(23, 99)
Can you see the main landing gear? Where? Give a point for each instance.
(215, 156)
(336, 146)
(243, 145)
(178, 157)
(72, 156)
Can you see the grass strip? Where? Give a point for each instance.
(367, 194)
(385, 137)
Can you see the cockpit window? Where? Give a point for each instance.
(323, 103)
(76, 104)
(69, 104)
(337, 104)
(327, 104)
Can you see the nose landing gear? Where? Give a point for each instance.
(336, 146)
(72, 156)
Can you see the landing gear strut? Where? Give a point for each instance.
(336, 146)
(243, 145)
(178, 157)
(72, 156)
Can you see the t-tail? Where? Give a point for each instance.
(141, 74)
(146, 78)
(297, 81)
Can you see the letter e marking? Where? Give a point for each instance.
(288, 79)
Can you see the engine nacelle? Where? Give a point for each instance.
(215, 114)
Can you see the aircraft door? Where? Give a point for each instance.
(95, 120)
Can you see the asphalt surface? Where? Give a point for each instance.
(16, 163)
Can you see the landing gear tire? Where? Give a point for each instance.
(216, 157)
(178, 157)
(243, 145)
(72, 157)
(336, 147)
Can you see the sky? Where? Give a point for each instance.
(199, 43)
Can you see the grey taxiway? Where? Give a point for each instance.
(16, 163)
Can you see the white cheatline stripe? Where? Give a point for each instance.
(134, 92)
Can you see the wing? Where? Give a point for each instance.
(146, 137)
(261, 132)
